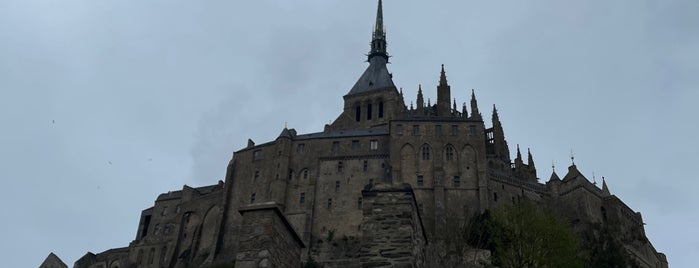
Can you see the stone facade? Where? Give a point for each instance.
(326, 188)
(267, 239)
(392, 231)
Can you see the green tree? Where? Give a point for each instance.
(525, 235)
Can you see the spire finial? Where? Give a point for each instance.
(474, 106)
(519, 154)
(530, 158)
(572, 157)
(496, 117)
(594, 179)
(443, 77)
(378, 39)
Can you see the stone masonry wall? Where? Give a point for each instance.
(267, 239)
(393, 233)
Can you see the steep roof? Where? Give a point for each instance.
(376, 76)
(53, 261)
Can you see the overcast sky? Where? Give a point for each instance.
(106, 104)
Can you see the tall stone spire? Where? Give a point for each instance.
(530, 159)
(376, 76)
(378, 40)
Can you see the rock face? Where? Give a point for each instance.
(392, 231)
(378, 187)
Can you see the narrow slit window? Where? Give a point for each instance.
(368, 111)
(381, 109)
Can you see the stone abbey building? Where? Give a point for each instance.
(376, 188)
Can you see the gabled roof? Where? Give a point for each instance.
(53, 261)
(554, 177)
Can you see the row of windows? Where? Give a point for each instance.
(437, 130)
(301, 148)
(139, 257)
(448, 152)
(302, 198)
(304, 172)
(369, 111)
(420, 182)
(373, 145)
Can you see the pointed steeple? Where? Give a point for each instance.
(420, 100)
(475, 114)
(378, 40)
(376, 76)
(496, 117)
(443, 77)
(454, 105)
(554, 177)
(464, 112)
(605, 189)
(443, 95)
(519, 154)
(530, 159)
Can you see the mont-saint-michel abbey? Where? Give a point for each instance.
(381, 186)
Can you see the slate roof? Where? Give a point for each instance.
(376, 76)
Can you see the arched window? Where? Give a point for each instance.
(358, 113)
(425, 152)
(305, 173)
(449, 153)
(368, 111)
(150, 258)
(380, 109)
(163, 251)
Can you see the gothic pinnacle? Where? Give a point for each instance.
(443, 77)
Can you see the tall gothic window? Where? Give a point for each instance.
(368, 111)
(425, 152)
(380, 109)
(449, 153)
(358, 113)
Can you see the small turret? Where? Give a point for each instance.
(530, 159)
(464, 112)
(420, 100)
(605, 189)
(443, 95)
(501, 148)
(475, 114)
